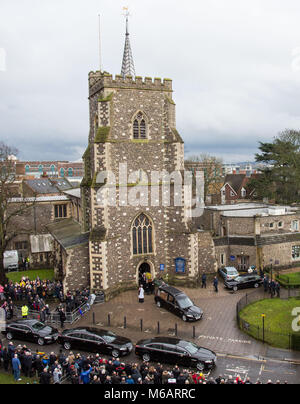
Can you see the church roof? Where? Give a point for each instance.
(68, 233)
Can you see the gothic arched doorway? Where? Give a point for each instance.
(145, 276)
(144, 269)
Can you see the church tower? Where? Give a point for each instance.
(133, 133)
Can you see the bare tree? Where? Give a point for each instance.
(213, 173)
(9, 211)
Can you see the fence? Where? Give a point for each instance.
(71, 318)
(262, 333)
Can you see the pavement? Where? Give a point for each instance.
(217, 331)
(238, 353)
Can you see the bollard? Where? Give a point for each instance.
(125, 322)
(94, 318)
(194, 332)
(108, 320)
(176, 330)
(158, 327)
(141, 325)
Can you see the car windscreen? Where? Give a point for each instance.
(38, 326)
(109, 337)
(191, 348)
(184, 302)
(231, 272)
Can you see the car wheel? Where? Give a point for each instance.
(256, 286)
(115, 353)
(67, 346)
(9, 336)
(41, 342)
(200, 367)
(158, 304)
(235, 289)
(146, 358)
(184, 318)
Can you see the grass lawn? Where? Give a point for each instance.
(44, 274)
(278, 320)
(6, 378)
(292, 279)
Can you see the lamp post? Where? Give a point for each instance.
(263, 320)
(271, 262)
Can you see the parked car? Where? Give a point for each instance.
(176, 351)
(95, 340)
(32, 331)
(228, 273)
(244, 282)
(177, 303)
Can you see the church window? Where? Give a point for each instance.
(142, 235)
(139, 127)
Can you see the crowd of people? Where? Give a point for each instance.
(35, 295)
(272, 287)
(79, 369)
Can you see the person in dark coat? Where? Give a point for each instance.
(62, 318)
(216, 284)
(204, 281)
(45, 377)
(277, 289)
(266, 284)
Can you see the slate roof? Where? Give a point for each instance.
(68, 233)
(235, 181)
(76, 192)
(47, 186)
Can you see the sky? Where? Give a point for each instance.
(235, 67)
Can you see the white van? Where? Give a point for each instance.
(11, 261)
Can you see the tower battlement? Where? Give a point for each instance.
(99, 80)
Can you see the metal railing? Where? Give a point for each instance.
(284, 340)
(71, 317)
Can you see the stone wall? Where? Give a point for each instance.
(76, 264)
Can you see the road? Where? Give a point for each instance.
(227, 365)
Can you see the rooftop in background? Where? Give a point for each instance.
(76, 192)
(238, 206)
(68, 233)
(252, 210)
(48, 186)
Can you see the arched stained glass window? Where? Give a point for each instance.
(139, 127)
(142, 235)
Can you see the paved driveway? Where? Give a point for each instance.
(217, 330)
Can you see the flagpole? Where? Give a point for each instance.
(100, 50)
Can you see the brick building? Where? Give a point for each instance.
(254, 235)
(52, 169)
(47, 201)
(236, 188)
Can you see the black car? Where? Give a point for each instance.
(32, 331)
(244, 282)
(177, 303)
(176, 351)
(95, 340)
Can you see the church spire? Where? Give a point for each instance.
(127, 64)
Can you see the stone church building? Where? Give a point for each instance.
(132, 126)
